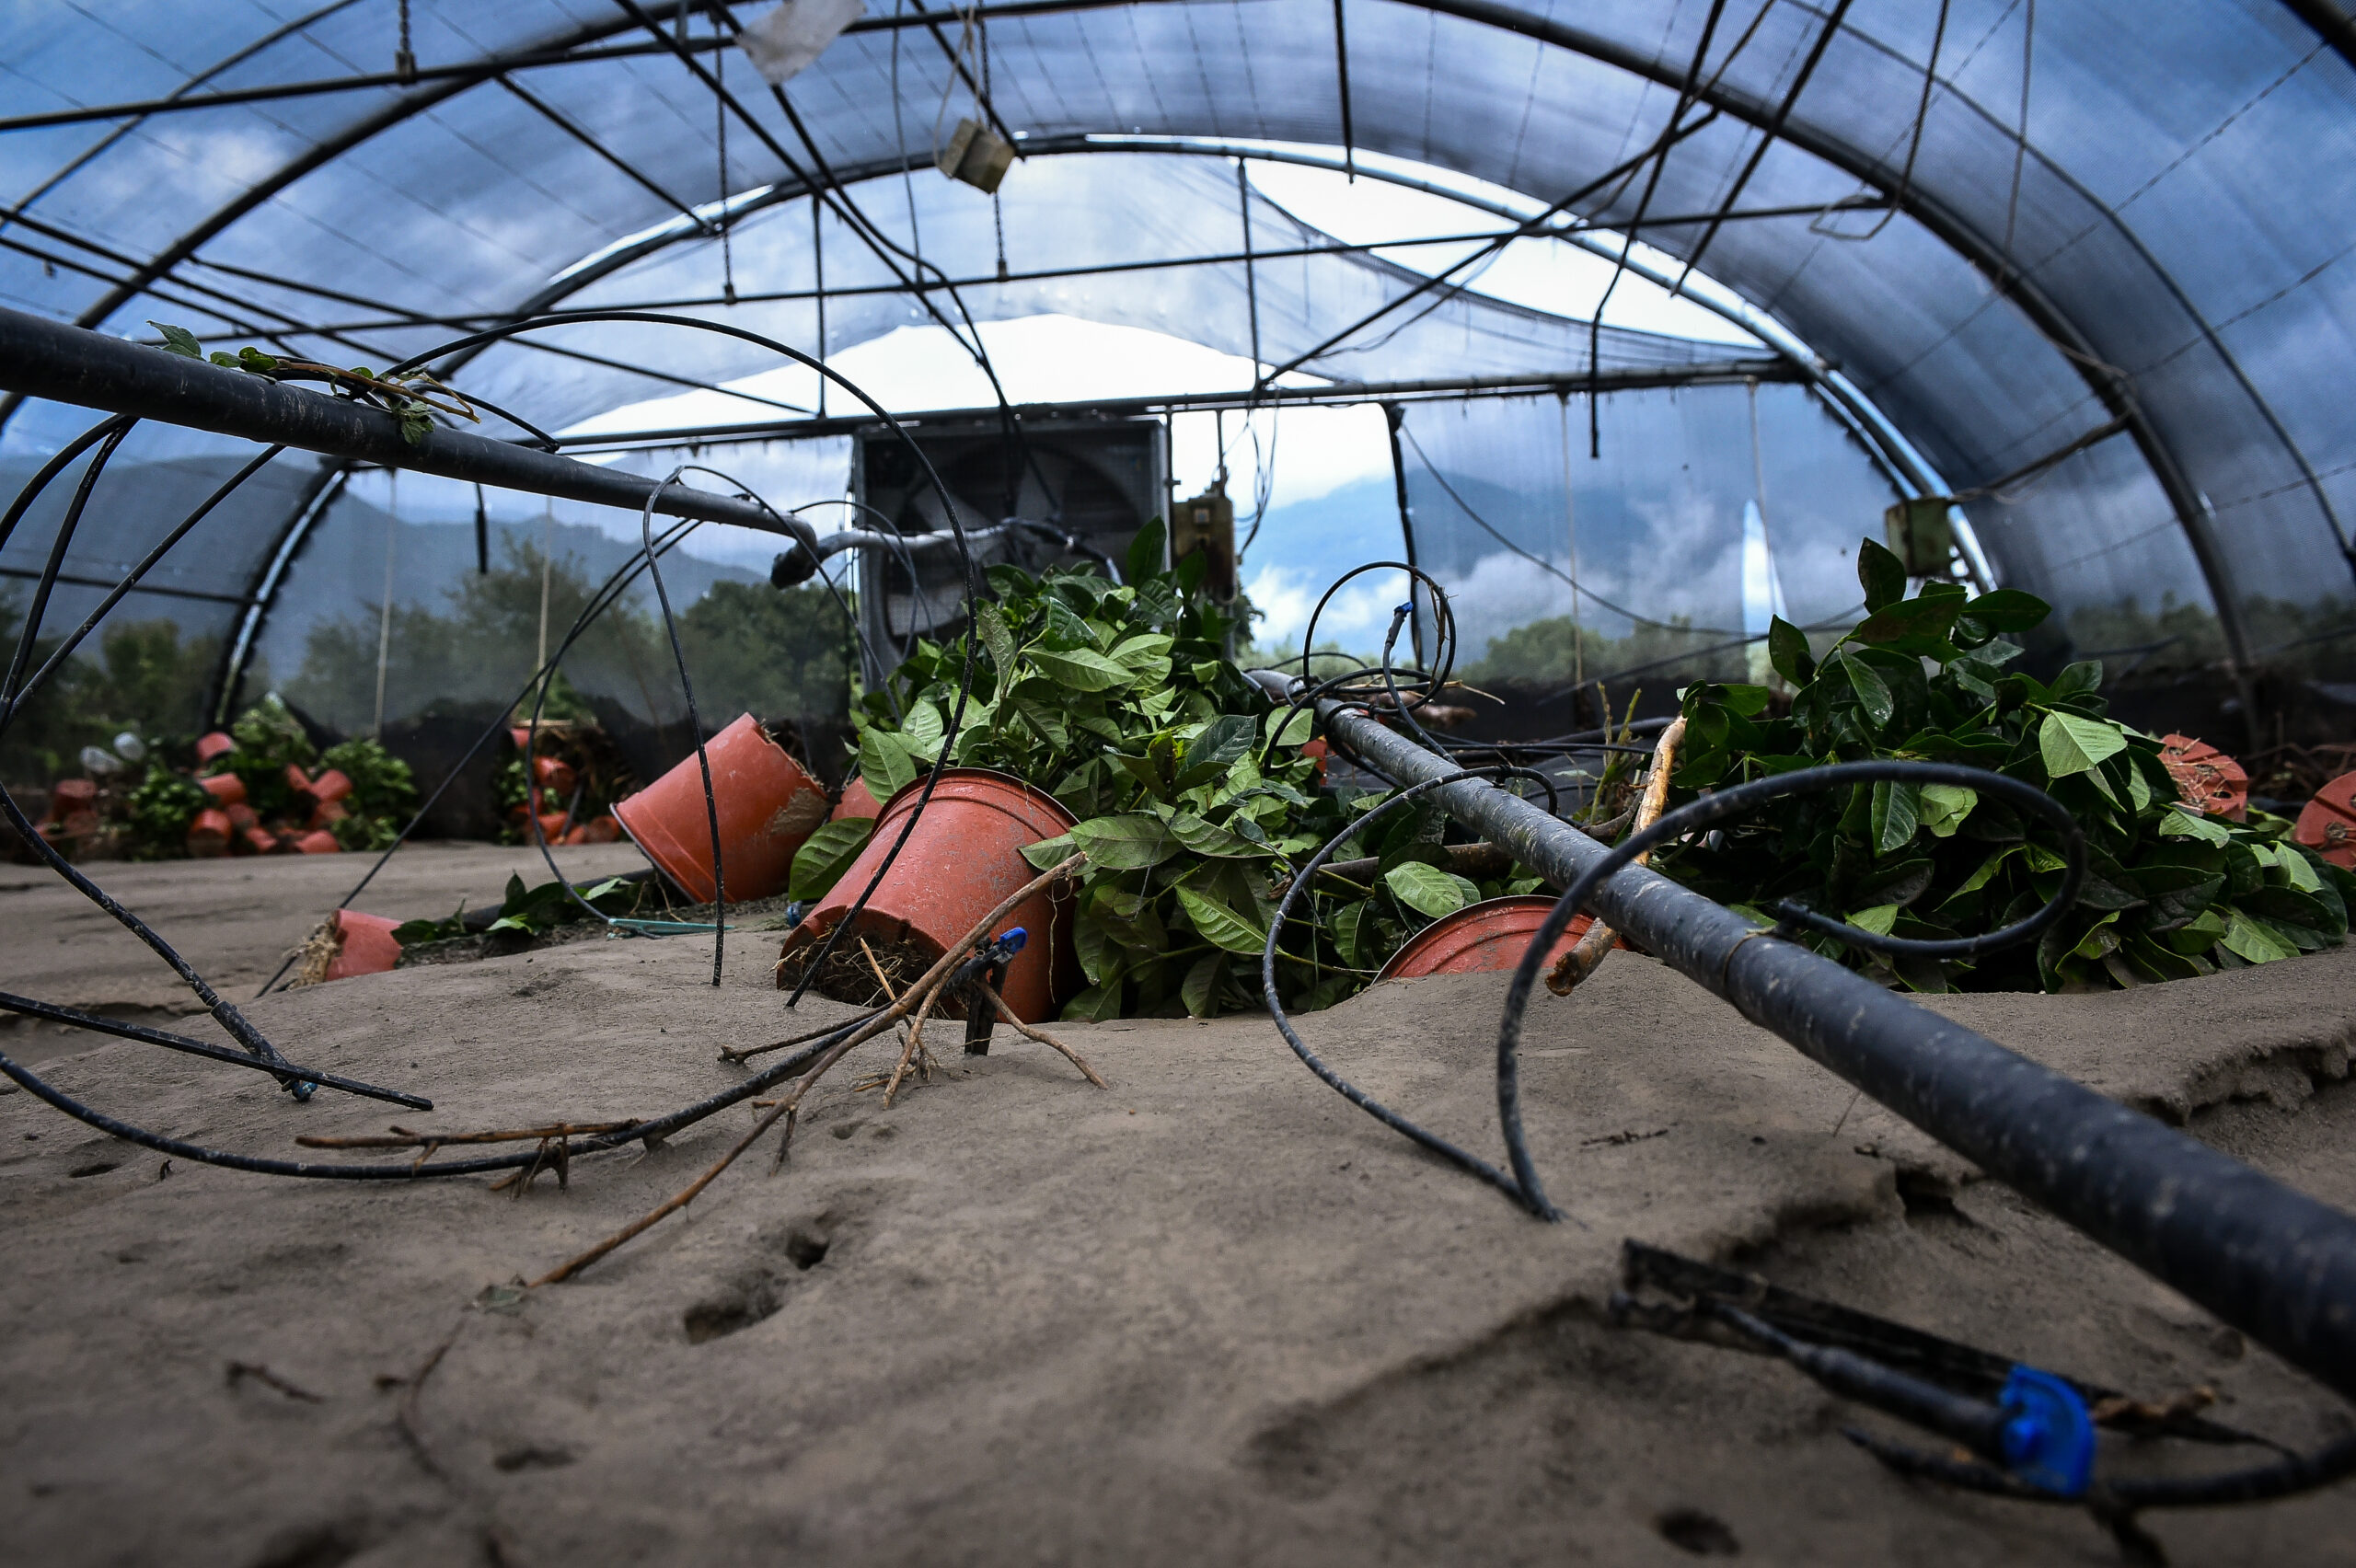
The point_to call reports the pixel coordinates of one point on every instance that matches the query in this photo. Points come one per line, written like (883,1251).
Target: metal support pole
(70,364)
(2272,1262)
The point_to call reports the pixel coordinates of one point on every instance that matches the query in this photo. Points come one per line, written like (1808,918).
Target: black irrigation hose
(1528,1196)
(181,1042)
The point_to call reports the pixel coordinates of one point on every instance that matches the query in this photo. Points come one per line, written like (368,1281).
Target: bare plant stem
(401,1137)
(1584,959)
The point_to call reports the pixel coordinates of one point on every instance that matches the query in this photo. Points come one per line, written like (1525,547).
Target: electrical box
(975,155)
(1208,524)
(1920,535)
(1098,479)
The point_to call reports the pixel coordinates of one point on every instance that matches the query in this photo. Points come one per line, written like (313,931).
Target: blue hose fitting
(2049,1439)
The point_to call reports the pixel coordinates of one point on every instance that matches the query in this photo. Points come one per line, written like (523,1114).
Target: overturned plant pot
(1481,938)
(965,856)
(364,944)
(767,805)
(2327,824)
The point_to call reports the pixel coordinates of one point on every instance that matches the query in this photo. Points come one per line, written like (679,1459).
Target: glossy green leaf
(1218,924)
(2254,941)
(1129,842)
(885,763)
(2071,744)
(1881,574)
(1896,815)
(179,341)
(1146,551)
(1050,851)
(1944,806)
(1787,651)
(1198,992)
(827,854)
(2008,609)
(1426,889)
(1081,669)
(1873,692)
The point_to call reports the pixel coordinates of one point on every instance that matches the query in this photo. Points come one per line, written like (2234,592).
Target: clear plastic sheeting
(1082,218)
(1646,573)
(2108,211)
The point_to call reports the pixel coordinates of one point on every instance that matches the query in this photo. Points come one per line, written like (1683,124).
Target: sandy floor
(1212,1314)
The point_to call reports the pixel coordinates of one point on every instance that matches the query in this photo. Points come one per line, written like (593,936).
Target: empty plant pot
(364,944)
(318,843)
(260,841)
(2206,778)
(208,835)
(1482,939)
(553,775)
(964,857)
(217,745)
(597,830)
(858,801)
(226,789)
(331,785)
(767,806)
(2327,825)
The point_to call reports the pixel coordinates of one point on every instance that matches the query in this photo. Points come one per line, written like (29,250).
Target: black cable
(1730,804)
(695,728)
(181,1042)
(1526,1194)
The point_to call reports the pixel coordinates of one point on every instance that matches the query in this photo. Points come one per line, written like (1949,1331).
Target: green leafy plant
(825,855)
(533,911)
(269,740)
(2170,893)
(383,794)
(162,807)
(1119,701)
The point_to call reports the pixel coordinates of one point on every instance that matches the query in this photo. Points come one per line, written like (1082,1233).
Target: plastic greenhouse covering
(1965,237)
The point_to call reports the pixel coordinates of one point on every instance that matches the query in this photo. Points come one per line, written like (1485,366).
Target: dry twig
(1041,1035)
(788,1107)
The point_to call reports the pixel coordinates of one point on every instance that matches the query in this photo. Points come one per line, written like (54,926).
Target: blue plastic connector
(1013,939)
(2050,1441)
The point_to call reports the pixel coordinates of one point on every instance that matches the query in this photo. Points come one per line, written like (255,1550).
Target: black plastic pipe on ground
(41,358)
(2272,1262)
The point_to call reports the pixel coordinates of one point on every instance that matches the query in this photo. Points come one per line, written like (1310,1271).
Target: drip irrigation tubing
(2263,1258)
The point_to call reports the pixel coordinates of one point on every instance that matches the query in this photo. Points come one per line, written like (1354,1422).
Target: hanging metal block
(1208,524)
(975,155)
(1920,535)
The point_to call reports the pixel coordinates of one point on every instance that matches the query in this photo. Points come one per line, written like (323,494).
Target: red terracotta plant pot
(69,796)
(326,811)
(261,841)
(858,801)
(297,780)
(208,835)
(1319,749)
(552,828)
(597,830)
(364,944)
(332,785)
(1482,939)
(226,789)
(965,857)
(317,843)
(243,817)
(2327,825)
(219,743)
(2206,778)
(767,806)
(554,775)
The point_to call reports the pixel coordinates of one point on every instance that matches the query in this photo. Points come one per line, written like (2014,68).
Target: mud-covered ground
(1211,1314)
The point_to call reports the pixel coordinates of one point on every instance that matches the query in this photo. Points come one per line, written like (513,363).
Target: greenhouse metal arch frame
(2053,318)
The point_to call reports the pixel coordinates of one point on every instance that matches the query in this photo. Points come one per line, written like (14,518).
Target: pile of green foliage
(2170,893)
(529,911)
(1119,702)
(162,808)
